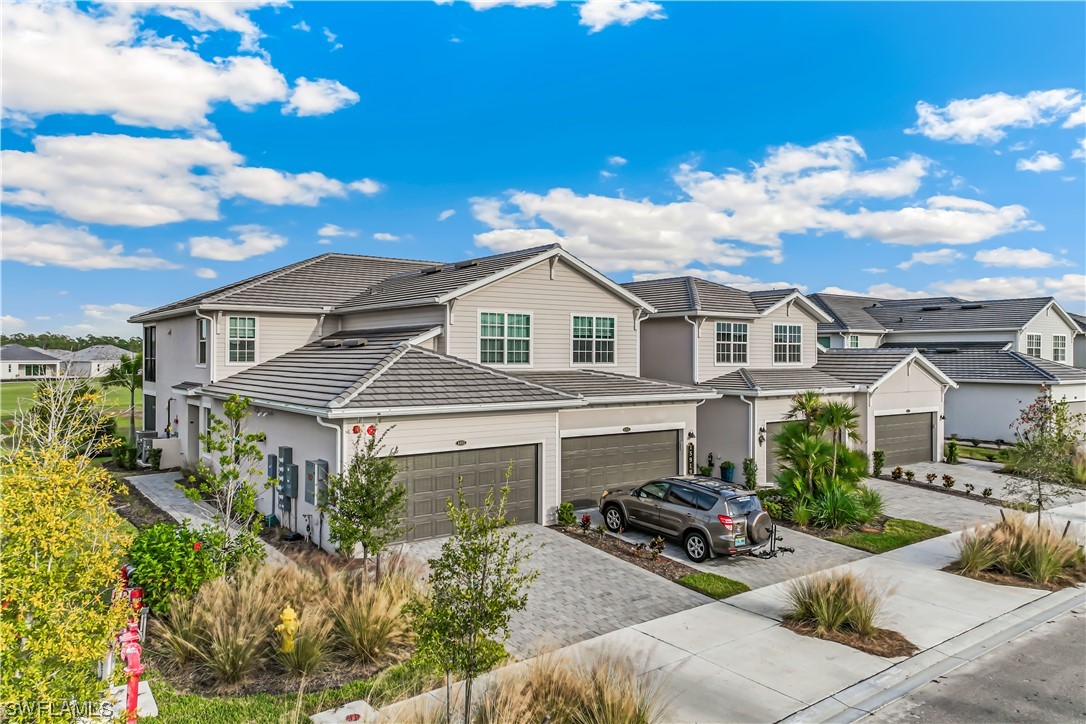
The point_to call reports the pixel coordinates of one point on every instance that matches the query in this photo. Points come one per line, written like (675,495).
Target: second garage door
(431,480)
(593,464)
(904,438)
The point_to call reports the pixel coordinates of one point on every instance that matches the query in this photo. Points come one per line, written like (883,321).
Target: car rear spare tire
(761,527)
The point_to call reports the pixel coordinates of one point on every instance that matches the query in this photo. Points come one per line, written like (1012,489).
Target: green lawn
(979,453)
(895,534)
(712,585)
(14,394)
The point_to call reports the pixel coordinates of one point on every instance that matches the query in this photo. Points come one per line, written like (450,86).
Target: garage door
(772,429)
(593,464)
(904,438)
(431,480)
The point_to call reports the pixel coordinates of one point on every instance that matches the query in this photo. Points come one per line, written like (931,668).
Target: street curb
(875,692)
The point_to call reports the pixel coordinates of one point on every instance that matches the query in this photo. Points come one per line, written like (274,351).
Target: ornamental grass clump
(1018,548)
(834,603)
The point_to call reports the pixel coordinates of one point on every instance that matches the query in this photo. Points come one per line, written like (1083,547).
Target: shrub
(869,504)
(565,514)
(750,472)
(987,492)
(1015,547)
(948,481)
(897,472)
(802,513)
(969,487)
(878,460)
(155,458)
(123,456)
(774,508)
(930,477)
(990,457)
(706,470)
(586,523)
(170,559)
(656,547)
(836,508)
(830,602)
(368,617)
(910,475)
(952,452)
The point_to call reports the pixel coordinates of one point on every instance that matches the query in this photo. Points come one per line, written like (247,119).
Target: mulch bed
(937,487)
(137,508)
(662,566)
(884,642)
(1005,579)
(876,526)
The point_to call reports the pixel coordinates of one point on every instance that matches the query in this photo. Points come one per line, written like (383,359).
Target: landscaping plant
(750,473)
(656,547)
(170,559)
(969,487)
(878,460)
(952,452)
(910,475)
(930,477)
(66,416)
(897,472)
(987,492)
(565,514)
(586,522)
(128,375)
(948,481)
(1015,547)
(834,602)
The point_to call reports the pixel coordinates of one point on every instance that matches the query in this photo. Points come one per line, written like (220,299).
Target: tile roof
(598,384)
(848,312)
(99,352)
(424,285)
(17,352)
(858,313)
(383,372)
(694,295)
(934,346)
(861,366)
(1002,366)
(764,381)
(1079,319)
(766,298)
(318,283)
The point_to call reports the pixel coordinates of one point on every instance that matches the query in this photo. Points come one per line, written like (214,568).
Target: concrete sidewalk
(769,673)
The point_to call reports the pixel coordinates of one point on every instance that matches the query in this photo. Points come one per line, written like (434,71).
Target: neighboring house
(520,368)
(759,349)
(22,363)
(1080,341)
(94,361)
(1036,326)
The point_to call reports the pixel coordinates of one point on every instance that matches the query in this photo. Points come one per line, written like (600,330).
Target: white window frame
(614,340)
(1059,348)
(1030,345)
(854,341)
(787,343)
(732,344)
(205,325)
(505,338)
(255,340)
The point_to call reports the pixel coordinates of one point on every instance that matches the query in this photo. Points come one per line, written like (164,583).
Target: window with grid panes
(242,338)
(505,338)
(731,343)
(787,343)
(593,340)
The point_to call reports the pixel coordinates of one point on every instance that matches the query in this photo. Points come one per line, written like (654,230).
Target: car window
(706,501)
(743,504)
(656,490)
(682,495)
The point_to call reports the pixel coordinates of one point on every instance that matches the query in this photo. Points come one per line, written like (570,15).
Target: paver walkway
(931,506)
(980,473)
(161,489)
(581,593)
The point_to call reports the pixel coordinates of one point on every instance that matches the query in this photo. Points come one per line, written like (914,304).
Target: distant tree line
(49,340)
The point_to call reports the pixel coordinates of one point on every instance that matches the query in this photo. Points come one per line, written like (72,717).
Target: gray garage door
(431,480)
(593,464)
(772,429)
(904,438)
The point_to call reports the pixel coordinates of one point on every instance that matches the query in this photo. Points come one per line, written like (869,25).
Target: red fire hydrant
(130,654)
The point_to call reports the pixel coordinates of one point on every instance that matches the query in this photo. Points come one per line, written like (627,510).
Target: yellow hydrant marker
(287,629)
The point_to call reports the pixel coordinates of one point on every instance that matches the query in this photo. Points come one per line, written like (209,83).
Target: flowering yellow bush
(62,546)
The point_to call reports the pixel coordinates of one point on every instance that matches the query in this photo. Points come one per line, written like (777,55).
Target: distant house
(22,363)
(94,361)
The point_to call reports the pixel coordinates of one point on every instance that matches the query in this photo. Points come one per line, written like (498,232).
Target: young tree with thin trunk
(127,375)
(66,415)
(838,419)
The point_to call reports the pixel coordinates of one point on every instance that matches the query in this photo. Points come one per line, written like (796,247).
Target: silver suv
(711,517)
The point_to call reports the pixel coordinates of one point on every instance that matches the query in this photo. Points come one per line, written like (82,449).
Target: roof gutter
(633,399)
(347,413)
(788,393)
(153,316)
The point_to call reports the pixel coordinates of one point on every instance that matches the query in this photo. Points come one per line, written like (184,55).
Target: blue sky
(156,151)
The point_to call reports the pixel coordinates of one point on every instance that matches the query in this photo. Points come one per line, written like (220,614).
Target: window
(149,348)
(743,505)
(149,411)
(1033,345)
(1059,348)
(593,340)
(207,429)
(682,495)
(201,341)
(787,344)
(824,341)
(242,339)
(505,338)
(731,343)
(853,341)
(656,490)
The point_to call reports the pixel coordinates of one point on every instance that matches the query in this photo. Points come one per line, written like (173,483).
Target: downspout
(637,337)
(750,425)
(338,429)
(693,347)
(210,344)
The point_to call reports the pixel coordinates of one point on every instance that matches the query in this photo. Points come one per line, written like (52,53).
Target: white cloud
(333,230)
(1021,258)
(75,248)
(9,323)
(319,97)
(1078,118)
(598,14)
(205,273)
(1041,161)
(331,38)
(606,174)
(795,190)
(105,319)
(446,214)
(384,236)
(616,161)
(874,270)
(939,256)
(60,59)
(986,118)
(883,291)
(253,240)
(303,26)
(481,5)
(124,180)
(1080,152)
(1071,287)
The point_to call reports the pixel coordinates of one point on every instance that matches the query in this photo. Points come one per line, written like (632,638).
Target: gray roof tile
(17,352)
(1080,320)
(987,365)
(777,380)
(931,313)
(861,366)
(766,298)
(694,295)
(597,384)
(99,352)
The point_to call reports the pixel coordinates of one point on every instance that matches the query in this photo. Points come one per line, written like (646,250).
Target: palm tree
(806,406)
(838,419)
(806,458)
(127,375)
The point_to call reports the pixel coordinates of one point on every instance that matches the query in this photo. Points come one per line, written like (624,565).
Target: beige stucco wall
(723,430)
(667,349)
(552,304)
(760,341)
(986,411)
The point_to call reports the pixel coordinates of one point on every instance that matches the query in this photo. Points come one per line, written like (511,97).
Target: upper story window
(854,341)
(242,339)
(1059,348)
(593,340)
(787,344)
(1033,345)
(731,343)
(149,349)
(505,338)
(201,341)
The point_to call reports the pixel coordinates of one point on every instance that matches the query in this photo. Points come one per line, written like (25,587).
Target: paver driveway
(980,473)
(581,593)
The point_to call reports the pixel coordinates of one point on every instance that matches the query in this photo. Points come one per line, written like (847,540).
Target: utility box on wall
(316,480)
(288,481)
(273,467)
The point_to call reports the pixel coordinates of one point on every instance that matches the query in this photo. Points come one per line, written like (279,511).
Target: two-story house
(521,368)
(759,349)
(998,351)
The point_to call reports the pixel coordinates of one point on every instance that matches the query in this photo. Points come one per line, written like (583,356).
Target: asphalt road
(1038,677)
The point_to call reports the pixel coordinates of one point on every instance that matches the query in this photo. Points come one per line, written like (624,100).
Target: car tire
(696,546)
(614,519)
(761,527)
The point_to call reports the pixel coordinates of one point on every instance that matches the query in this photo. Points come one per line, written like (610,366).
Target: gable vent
(354,342)
(331,343)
